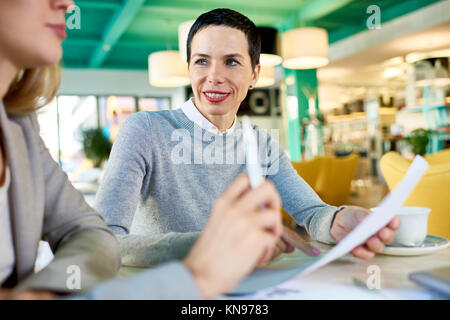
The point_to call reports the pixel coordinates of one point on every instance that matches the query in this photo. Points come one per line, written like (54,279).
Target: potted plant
(418,140)
(96,146)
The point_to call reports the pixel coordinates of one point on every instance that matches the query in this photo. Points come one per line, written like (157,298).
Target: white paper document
(386,210)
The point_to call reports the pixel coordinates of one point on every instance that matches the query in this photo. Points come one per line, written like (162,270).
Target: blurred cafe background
(356,88)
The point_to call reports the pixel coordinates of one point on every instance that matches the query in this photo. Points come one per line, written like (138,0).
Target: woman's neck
(222,122)
(8,71)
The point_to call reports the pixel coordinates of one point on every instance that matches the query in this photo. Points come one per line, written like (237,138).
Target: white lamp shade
(183,32)
(167,69)
(392,72)
(269,60)
(305,48)
(266,77)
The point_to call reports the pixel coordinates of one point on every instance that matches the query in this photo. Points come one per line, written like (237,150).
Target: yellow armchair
(309,170)
(432,191)
(330,177)
(440,157)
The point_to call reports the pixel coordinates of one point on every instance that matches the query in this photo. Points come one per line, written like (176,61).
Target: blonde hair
(32,89)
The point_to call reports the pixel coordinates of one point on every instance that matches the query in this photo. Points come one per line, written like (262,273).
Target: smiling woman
(37,201)
(221,73)
(223,49)
(158,206)
(153,202)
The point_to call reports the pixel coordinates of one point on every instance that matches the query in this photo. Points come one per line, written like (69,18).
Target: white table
(346,278)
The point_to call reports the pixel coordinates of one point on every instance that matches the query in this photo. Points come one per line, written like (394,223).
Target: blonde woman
(38,202)
(36,199)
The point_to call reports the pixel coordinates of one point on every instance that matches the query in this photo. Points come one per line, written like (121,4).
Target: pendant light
(305,48)
(266,77)
(183,32)
(270,47)
(167,69)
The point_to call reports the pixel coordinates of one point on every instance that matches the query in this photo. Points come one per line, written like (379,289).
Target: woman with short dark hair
(166,168)
(37,201)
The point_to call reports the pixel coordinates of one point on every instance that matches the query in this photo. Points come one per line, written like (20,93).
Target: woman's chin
(49,56)
(217,109)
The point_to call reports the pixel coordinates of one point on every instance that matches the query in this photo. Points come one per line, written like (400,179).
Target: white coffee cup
(413,229)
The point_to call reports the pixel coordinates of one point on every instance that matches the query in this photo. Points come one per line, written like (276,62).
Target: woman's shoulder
(154,117)
(269,140)
(26,122)
(265,134)
(147,123)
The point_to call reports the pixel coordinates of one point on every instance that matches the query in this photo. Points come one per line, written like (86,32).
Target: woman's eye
(232,62)
(200,62)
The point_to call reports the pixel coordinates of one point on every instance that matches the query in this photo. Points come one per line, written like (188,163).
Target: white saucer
(430,245)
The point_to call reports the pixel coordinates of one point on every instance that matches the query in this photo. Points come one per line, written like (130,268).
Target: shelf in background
(424,108)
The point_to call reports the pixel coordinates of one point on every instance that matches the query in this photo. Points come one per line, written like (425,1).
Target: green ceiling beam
(97,5)
(387,14)
(312,11)
(116,27)
(141,45)
(82,42)
(266,6)
(192,12)
(404,7)
(151,43)
(317,9)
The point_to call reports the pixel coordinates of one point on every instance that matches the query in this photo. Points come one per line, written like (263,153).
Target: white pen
(254,169)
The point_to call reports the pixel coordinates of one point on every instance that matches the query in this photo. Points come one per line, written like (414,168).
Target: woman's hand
(287,244)
(8,294)
(237,236)
(347,219)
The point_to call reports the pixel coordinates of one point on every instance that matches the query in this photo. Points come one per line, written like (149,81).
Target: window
(66,117)
(153,104)
(48,123)
(76,113)
(113,111)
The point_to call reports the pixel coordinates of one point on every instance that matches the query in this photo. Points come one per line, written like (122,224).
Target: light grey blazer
(45,205)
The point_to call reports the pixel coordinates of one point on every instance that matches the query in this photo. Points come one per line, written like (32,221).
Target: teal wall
(302,79)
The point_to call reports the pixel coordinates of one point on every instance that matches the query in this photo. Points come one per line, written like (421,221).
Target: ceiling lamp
(392,72)
(266,77)
(305,48)
(167,69)
(183,32)
(270,47)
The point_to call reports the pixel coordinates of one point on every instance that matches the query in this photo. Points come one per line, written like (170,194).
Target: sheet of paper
(387,209)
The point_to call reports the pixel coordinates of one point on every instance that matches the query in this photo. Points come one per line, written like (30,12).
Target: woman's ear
(255,76)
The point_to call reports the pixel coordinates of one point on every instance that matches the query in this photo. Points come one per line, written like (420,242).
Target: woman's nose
(215,74)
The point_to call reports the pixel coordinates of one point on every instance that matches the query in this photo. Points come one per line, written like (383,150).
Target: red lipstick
(215,96)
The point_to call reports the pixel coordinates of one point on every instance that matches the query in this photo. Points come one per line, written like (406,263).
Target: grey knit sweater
(164,174)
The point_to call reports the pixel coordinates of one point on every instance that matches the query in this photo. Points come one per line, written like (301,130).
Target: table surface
(346,278)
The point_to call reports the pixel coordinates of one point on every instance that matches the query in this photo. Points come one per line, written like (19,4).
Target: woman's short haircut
(232,19)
